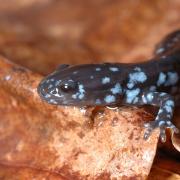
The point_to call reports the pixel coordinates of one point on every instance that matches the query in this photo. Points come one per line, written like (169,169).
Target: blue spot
(170,103)
(163,94)
(117,89)
(91,77)
(137,69)
(135,100)
(50,86)
(109,99)
(74,96)
(168,109)
(160,50)
(57,83)
(161,79)
(152,88)
(172,78)
(81,96)
(131,95)
(105,80)
(130,85)
(53,101)
(136,77)
(144,99)
(149,97)
(80,93)
(114,69)
(169,106)
(47,96)
(161,123)
(98,69)
(98,101)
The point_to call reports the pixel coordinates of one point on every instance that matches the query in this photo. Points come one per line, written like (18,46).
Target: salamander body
(155,82)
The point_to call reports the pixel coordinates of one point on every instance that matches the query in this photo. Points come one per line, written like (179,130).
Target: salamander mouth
(45,95)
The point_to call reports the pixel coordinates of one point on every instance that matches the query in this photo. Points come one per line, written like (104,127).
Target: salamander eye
(68,86)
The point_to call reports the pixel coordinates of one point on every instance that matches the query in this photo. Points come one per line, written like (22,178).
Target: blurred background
(40,34)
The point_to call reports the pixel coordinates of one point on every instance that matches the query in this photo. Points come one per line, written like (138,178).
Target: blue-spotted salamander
(155,82)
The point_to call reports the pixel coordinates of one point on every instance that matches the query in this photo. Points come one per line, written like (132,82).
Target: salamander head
(82,85)
(60,88)
(70,85)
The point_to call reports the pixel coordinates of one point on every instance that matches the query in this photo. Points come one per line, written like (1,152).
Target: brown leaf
(176,141)
(165,168)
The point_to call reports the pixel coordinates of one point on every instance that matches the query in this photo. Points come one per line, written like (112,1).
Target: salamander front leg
(164,116)
(163,119)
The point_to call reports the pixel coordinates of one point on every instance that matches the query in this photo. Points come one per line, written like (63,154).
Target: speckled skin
(155,82)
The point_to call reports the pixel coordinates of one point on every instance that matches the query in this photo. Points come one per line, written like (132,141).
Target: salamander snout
(56,91)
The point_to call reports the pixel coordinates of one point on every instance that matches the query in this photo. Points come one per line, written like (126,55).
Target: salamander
(154,82)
